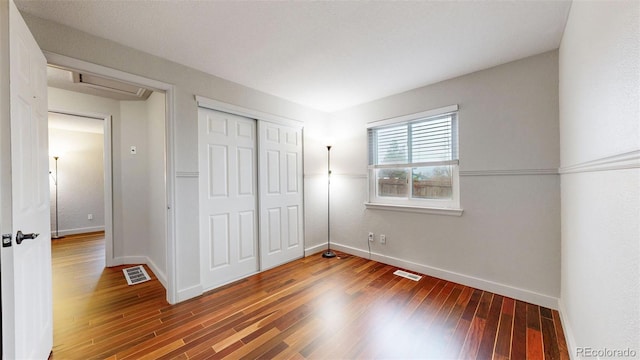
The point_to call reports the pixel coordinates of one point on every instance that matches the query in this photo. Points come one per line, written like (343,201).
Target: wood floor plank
(505,329)
(491,329)
(519,336)
(562,344)
(346,307)
(549,340)
(534,344)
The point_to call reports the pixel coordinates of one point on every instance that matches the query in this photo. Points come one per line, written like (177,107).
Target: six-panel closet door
(250,186)
(228,197)
(281,196)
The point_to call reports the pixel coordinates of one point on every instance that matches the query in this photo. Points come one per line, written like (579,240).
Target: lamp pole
(55,182)
(328,253)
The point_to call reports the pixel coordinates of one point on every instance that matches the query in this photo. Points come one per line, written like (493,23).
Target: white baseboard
(314,249)
(189,293)
(159,274)
(135,260)
(132,260)
(66,232)
(486,285)
(568,331)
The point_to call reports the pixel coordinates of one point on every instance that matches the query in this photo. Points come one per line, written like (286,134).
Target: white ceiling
(325,55)
(75,123)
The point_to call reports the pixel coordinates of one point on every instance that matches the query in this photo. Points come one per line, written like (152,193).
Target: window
(413,160)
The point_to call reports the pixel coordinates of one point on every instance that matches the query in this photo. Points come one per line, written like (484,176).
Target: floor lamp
(55,184)
(328,253)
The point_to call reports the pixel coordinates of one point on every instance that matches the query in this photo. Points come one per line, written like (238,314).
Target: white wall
(134,178)
(187,83)
(508,238)
(600,153)
(143,178)
(157,209)
(80,181)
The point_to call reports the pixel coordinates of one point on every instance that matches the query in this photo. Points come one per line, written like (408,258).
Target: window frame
(410,204)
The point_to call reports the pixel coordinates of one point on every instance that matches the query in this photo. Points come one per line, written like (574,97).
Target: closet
(250,192)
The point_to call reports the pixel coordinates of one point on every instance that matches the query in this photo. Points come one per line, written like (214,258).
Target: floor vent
(407,275)
(136,275)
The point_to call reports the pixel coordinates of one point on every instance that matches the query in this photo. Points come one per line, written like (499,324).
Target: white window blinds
(429,141)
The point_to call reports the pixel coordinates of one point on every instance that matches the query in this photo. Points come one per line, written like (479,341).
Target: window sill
(414,209)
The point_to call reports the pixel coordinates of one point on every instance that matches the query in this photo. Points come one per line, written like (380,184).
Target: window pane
(433,182)
(392,182)
(392,145)
(431,140)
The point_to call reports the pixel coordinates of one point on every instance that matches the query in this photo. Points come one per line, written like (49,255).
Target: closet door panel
(280,157)
(228,201)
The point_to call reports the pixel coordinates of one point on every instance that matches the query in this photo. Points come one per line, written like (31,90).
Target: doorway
(78,163)
(136,163)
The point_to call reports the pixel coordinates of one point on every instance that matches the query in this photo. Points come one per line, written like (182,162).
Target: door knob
(20,236)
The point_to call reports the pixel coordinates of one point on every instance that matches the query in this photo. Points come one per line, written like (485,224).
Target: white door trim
(108,176)
(242,111)
(65,61)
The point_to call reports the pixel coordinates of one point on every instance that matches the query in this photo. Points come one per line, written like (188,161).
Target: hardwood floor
(340,308)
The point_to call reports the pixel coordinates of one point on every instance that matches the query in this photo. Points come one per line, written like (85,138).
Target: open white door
(281,210)
(27,321)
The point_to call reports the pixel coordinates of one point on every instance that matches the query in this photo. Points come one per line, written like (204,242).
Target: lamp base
(328,254)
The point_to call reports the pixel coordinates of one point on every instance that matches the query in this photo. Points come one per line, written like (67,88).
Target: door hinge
(6,240)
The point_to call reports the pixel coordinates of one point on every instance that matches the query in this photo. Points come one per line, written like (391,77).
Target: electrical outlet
(370,237)
(383,239)
(90,217)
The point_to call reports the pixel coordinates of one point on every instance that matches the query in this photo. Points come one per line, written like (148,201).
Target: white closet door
(228,200)
(281,232)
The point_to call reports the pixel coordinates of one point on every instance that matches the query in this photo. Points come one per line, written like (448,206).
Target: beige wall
(508,238)
(600,148)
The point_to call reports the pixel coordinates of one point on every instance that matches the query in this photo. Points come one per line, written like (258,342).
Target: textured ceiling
(325,55)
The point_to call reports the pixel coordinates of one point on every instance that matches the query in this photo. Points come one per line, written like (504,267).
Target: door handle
(20,236)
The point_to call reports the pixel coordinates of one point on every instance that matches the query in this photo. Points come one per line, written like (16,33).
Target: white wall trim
(568,331)
(69,62)
(414,209)
(78,231)
(130,260)
(346,176)
(243,111)
(419,115)
(162,277)
(189,293)
(514,172)
(486,285)
(623,161)
(187,174)
(314,249)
